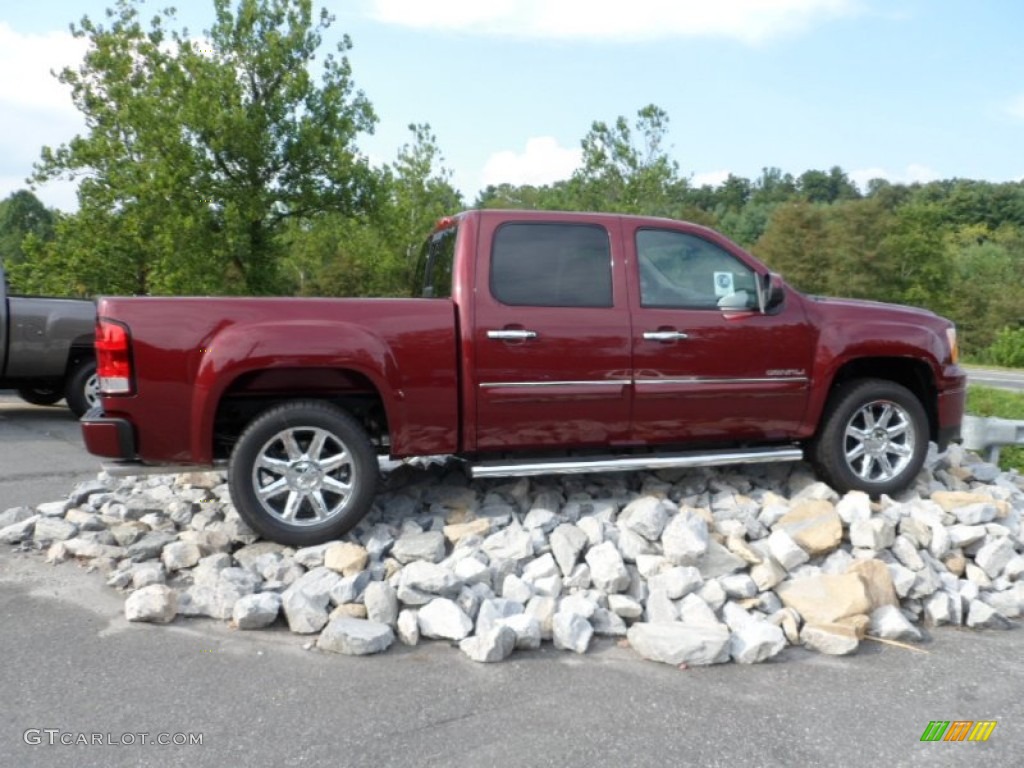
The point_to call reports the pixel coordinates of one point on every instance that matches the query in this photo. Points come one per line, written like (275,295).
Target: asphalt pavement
(73,670)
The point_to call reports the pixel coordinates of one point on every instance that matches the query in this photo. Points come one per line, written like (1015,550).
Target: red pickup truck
(538,342)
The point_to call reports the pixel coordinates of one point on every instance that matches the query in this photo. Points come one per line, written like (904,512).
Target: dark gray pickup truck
(46,349)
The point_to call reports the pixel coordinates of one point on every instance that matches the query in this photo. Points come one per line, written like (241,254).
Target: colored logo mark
(958,730)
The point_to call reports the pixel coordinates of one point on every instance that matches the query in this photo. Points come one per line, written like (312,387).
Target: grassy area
(989,401)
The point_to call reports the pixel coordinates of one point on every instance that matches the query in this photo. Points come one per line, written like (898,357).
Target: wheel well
(915,375)
(78,354)
(257,391)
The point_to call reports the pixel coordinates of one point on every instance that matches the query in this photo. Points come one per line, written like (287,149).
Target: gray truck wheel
(82,391)
(874,438)
(303,473)
(41,395)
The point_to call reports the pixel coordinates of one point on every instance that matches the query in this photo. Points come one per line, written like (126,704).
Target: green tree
(796,243)
(198,154)
(821,187)
(22,214)
(626,172)
(337,255)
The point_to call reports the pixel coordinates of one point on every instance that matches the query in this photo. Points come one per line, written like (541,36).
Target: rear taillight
(113,357)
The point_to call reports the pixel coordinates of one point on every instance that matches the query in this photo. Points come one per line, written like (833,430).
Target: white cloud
(36,108)
(913,173)
(711,178)
(750,21)
(1015,107)
(25,65)
(60,194)
(542,162)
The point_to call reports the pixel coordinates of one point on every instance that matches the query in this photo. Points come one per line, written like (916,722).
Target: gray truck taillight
(113,357)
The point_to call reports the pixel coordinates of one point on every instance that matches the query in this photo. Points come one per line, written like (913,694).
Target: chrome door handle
(665,335)
(511,335)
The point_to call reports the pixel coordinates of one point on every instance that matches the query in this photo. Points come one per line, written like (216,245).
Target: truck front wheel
(303,473)
(874,438)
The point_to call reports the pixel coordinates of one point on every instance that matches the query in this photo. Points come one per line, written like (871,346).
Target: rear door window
(551,265)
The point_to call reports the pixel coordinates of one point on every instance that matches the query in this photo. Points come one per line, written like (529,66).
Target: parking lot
(73,666)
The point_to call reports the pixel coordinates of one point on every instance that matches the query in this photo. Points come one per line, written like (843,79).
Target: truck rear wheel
(874,438)
(40,395)
(82,391)
(303,473)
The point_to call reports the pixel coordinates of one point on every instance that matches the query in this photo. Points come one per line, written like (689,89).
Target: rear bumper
(111,438)
(114,438)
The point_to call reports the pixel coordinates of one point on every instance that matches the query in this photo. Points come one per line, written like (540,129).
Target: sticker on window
(723,284)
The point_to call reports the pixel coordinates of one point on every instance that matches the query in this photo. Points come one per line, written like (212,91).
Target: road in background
(991,377)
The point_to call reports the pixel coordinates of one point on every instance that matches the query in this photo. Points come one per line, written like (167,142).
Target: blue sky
(911,90)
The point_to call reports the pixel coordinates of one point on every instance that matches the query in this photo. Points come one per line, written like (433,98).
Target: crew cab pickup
(537,342)
(46,349)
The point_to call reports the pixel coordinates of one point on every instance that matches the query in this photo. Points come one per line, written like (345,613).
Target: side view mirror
(771,293)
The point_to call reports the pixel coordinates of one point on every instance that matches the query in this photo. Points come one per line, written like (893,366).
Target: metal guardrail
(989,434)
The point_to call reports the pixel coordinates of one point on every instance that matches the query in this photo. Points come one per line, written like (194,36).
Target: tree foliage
(198,153)
(22,214)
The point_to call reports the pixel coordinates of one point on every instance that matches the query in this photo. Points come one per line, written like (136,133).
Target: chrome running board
(578,466)
(131,468)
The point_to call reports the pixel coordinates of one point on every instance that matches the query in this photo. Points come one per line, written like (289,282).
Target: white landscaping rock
(381,603)
(156,603)
(831,639)
(625,606)
(256,611)
(17,532)
(889,623)
(443,619)
(496,645)
(526,628)
(994,556)
(54,529)
(685,538)
(571,632)
(306,614)
(983,616)
(676,582)
(607,570)
(180,555)
(408,627)
(680,644)
(429,546)
(756,641)
(645,516)
(567,542)
(786,552)
(355,637)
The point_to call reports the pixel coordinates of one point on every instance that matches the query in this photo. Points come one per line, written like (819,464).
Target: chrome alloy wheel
(304,476)
(92,390)
(879,441)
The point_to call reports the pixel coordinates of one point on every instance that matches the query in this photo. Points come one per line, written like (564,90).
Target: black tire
(302,478)
(41,395)
(82,389)
(874,438)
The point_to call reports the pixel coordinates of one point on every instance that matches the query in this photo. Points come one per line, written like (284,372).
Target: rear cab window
(433,276)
